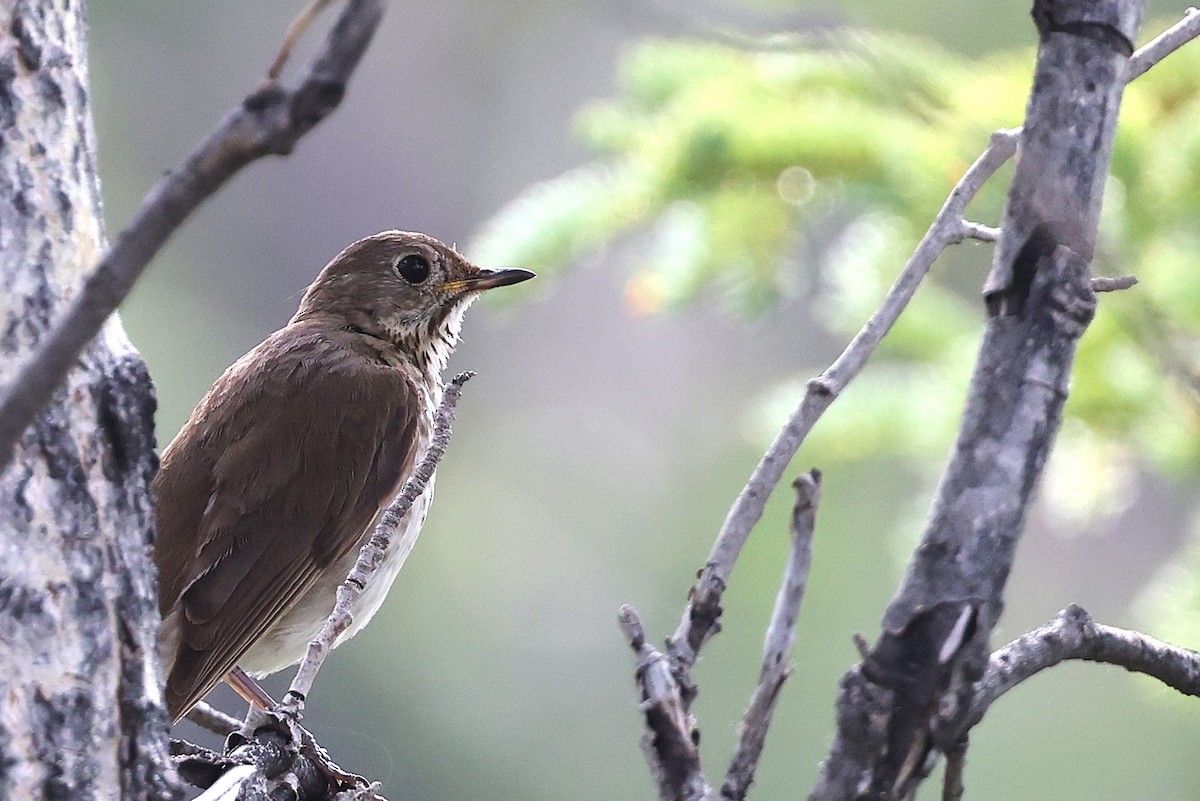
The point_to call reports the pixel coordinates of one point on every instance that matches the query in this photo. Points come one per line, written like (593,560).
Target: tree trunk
(80,707)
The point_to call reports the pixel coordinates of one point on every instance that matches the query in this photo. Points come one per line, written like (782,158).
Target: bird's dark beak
(490,279)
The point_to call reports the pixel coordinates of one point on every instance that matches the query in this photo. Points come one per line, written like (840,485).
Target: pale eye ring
(413,268)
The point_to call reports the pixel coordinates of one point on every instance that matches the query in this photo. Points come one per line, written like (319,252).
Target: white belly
(286,643)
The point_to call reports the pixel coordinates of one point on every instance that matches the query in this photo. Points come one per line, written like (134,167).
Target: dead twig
(949,227)
(952,780)
(1073,634)
(295,33)
(1120,282)
(704,610)
(212,719)
(670,740)
(1164,44)
(781,636)
(272,742)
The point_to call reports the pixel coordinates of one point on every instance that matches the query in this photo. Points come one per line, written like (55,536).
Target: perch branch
(270,121)
(781,636)
(371,555)
(1073,634)
(276,760)
(273,740)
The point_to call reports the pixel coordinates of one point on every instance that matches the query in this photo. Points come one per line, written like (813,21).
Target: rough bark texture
(80,708)
(903,704)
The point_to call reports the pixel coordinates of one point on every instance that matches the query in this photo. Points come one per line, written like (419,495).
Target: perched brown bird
(277,478)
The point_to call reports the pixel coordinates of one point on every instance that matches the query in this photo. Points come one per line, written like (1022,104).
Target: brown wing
(278,473)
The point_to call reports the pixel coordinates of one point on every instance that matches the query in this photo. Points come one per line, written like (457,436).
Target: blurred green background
(624,397)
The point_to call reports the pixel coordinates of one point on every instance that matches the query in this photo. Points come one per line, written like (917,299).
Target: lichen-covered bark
(80,715)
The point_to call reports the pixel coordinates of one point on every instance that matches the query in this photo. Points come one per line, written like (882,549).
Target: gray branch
(212,719)
(269,122)
(781,636)
(905,700)
(1115,284)
(670,739)
(1072,634)
(1165,44)
(667,688)
(671,736)
(701,618)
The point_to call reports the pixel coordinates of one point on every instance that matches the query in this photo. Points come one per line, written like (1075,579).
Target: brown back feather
(278,472)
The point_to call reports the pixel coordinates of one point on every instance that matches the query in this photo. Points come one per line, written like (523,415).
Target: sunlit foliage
(812,166)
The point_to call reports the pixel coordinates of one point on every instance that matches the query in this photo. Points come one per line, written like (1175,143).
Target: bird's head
(405,288)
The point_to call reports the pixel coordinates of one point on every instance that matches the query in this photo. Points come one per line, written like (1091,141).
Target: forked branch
(671,736)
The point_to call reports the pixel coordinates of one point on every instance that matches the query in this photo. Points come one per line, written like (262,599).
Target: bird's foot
(309,762)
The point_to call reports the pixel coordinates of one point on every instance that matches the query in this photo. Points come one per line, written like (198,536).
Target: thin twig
(703,611)
(781,635)
(371,556)
(1072,634)
(1164,44)
(294,33)
(974,230)
(1116,284)
(270,121)
(213,720)
(670,738)
(182,748)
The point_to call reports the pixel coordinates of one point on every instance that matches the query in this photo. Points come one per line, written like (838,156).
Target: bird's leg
(249,690)
(264,711)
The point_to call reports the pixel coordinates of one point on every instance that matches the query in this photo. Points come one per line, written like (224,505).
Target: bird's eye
(413,268)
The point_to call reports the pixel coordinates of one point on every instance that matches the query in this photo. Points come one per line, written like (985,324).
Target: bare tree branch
(666,685)
(281,751)
(701,618)
(1165,44)
(371,556)
(974,230)
(270,121)
(781,635)
(670,740)
(277,760)
(1073,634)
(916,683)
(295,33)
(212,719)
(1120,282)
